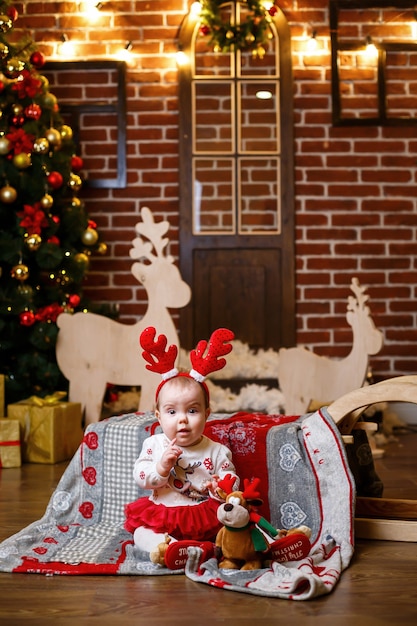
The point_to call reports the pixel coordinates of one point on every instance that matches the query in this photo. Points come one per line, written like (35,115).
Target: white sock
(147,540)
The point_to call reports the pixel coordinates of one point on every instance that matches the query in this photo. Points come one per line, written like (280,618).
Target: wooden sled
(378,518)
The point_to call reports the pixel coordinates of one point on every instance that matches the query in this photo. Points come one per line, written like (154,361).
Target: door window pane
(259,209)
(213,117)
(213,196)
(258,117)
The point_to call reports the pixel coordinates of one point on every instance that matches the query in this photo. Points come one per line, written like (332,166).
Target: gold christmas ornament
(4,145)
(22,161)
(66,132)
(44,81)
(82,259)
(20,272)
(102,248)
(14,67)
(41,145)
(53,136)
(75,202)
(259,52)
(74,182)
(49,100)
(4,50)
(47,201)
(33,242)
(8,194)
(5,23)
(89,237)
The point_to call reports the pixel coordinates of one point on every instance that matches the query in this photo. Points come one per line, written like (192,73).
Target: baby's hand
(169,458)
(212,484)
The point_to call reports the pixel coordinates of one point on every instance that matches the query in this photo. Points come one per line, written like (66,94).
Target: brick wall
(355,187)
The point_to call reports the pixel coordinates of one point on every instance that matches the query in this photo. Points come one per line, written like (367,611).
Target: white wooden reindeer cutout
(93,350)
(304,376)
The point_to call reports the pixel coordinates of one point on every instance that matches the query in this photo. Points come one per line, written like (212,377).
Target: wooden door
(236,199)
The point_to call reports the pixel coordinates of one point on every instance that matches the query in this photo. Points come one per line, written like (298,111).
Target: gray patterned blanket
(305,479)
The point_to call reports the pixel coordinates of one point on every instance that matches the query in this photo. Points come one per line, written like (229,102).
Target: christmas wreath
(225,35)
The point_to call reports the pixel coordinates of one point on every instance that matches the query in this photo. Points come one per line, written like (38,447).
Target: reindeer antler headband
(162,360)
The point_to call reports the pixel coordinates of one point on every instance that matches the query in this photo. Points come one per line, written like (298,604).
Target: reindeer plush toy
(242,543)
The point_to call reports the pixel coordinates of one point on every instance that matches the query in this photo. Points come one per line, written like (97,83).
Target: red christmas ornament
(92,224)
(13,13)
(55,179)
(37,59)
(74,300)
(18,120)
(2,86)
(27,318)
(55,219)
(49,313)
(205,30)
(273,11)
(54,240)
(76,163)
(33,111)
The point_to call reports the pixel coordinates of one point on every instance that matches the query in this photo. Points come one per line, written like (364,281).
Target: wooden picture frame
(386,49)
(81,96)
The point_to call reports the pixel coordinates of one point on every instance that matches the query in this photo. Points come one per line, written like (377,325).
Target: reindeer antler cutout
(217,347)
(159,359)
(359,300)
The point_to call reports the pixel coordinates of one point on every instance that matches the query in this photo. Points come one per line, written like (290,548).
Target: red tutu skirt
(198,521)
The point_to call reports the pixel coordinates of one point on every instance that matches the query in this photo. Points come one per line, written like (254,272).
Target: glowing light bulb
(371,50)
(195,9)
(312,43)
(125,54)
(181,58)
(66,48)
(92,10)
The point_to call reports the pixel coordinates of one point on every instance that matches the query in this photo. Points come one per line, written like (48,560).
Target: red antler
(159,359)
(217,346)
(250,489)
(227,483)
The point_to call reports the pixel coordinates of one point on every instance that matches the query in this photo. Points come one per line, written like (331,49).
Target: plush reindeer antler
(217,347)
(159,359)
(250,489)
(226,484)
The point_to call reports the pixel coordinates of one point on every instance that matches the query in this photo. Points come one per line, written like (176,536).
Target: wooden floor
(379,587)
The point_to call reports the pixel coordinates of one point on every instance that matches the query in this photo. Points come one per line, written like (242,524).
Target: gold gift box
(50,433)
(10,451)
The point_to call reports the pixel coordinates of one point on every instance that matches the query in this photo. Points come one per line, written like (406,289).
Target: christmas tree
(46,236)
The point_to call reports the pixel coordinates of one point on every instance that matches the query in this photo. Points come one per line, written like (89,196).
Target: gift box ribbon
(50,400)
(13,442)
